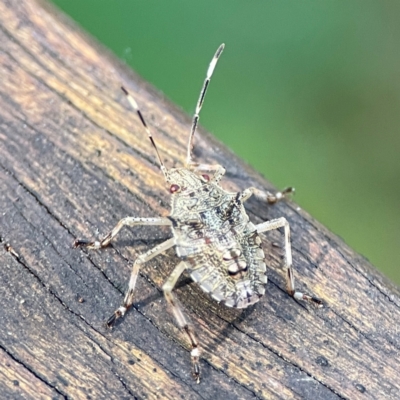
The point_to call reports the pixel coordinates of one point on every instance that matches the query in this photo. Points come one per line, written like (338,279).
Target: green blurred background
(308,92)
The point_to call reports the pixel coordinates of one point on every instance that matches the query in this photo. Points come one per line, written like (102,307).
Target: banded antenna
(200,101)
(135,106)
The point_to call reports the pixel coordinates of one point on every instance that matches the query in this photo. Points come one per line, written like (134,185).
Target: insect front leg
(268,197)
(128,299)
(180,318)
(127,221)
(290,287)
(217,170)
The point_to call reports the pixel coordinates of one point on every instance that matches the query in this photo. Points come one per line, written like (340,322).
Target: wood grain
(73,161)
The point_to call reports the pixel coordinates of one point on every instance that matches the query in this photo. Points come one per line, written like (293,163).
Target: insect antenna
(135,106)
(200,101)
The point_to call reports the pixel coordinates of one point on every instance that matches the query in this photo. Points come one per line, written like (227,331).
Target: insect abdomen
(231,270)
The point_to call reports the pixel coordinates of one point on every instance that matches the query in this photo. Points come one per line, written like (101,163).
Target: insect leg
(270,198)
(128,299)
(217,170)
(290,287)
(128,221)
(180,318)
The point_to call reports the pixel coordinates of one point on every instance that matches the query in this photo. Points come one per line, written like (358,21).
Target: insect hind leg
(180,318)
(290,286)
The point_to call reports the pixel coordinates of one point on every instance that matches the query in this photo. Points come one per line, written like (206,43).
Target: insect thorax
(220,245)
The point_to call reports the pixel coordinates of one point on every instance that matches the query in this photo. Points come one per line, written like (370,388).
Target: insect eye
(205,178)
(174,188)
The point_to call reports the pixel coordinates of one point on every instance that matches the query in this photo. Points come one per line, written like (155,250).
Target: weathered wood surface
(73,161)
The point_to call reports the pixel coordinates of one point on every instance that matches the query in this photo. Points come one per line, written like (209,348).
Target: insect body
(212,234)
(220,246)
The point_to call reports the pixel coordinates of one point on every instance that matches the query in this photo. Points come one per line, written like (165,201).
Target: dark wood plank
(73,161)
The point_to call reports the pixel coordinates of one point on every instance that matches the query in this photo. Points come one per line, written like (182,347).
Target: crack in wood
(33,372)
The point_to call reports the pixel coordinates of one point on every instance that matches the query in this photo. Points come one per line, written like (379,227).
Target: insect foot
(89,245)
(278,196)
(214,239)
(120,312)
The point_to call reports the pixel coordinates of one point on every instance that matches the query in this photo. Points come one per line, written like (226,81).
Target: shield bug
(213,237)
